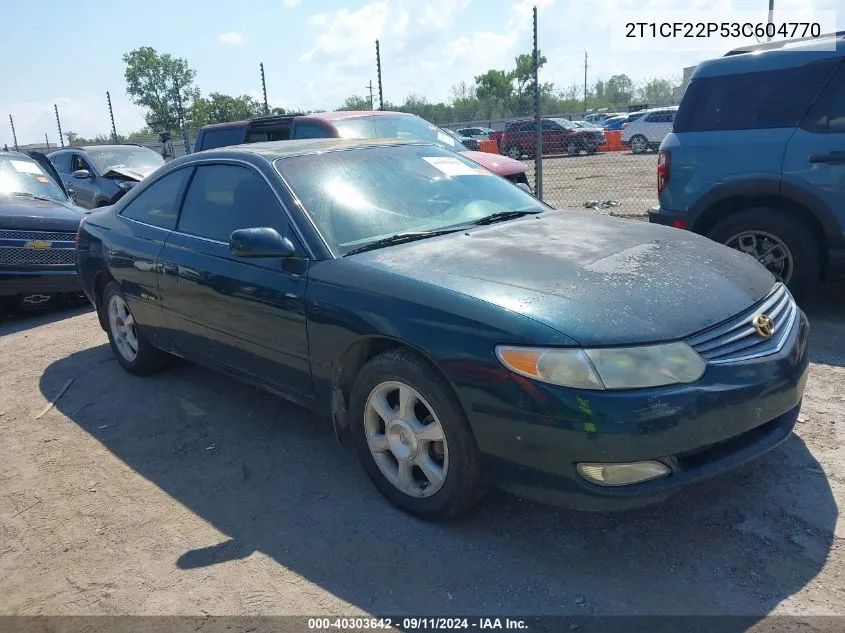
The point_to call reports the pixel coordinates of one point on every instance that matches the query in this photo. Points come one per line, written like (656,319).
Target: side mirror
(260,242)
(82,174)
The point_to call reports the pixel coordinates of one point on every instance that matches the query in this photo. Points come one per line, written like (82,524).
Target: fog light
(622,474)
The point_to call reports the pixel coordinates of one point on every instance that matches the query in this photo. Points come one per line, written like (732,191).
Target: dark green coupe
(460,331)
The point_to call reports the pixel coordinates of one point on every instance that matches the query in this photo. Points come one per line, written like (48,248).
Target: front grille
(737,340)
(14,256)
(47,236)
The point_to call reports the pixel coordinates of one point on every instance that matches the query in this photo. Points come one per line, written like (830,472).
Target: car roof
(354,114)
(85,148)
(287,118)
(773,56)
(272,150)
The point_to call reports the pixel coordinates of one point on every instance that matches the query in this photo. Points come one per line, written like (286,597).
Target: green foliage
(219,108)
(160,83)
(356,102)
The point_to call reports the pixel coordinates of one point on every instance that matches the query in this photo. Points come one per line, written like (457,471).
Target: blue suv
(757,157)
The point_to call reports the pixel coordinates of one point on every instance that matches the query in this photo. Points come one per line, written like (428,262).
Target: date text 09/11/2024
(416,624)
(721,29)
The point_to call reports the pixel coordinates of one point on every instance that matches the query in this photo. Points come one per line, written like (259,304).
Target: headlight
(606,368)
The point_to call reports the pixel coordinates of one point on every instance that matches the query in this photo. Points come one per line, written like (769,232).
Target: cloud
(290,3)
(231,37)
(87,116)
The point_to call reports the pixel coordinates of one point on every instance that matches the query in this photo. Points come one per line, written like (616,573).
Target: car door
(554,137)
(145,223)
(85,189)
(814,162)
(658,125)
(244,314)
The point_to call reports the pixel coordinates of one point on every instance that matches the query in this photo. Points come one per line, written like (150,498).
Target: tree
(71,137)
(523,77)
(657,92)
(619,90)
(160,83)
(356,102)
(219,108)
(494,88)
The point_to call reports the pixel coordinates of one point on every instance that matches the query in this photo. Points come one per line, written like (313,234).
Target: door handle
(833,157)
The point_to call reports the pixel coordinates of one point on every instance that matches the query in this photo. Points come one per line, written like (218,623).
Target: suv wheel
(639,144)
(784,244)
(514,151)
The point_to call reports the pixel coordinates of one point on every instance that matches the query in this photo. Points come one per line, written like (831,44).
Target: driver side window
(77,163)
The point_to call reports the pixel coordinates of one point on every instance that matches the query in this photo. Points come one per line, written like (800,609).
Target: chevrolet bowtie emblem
(38,245)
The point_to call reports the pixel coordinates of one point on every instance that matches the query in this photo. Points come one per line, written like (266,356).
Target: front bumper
(42,282)
(534,434)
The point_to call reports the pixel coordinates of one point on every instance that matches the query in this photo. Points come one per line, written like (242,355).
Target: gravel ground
(571,181)
(187,493)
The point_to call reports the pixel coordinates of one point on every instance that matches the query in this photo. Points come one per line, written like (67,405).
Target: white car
(478,133)
(649,130)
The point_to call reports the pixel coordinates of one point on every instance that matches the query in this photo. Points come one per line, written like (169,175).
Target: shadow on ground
(277,482)
(826,311)
(19,320)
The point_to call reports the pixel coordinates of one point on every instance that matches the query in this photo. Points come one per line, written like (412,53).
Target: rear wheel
(129,345)
(639,144)
(784,244)
(413,438)
(573,148)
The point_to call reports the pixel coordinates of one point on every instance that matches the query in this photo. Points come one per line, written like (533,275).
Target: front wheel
(573,149)
(784,244)
(514,151)
(129,345)
(413,438)
(639,144)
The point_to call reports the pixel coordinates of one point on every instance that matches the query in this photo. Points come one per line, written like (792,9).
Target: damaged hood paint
(500,165)
(598,280)
(136,174)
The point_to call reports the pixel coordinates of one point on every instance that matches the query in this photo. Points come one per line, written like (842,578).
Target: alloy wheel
(767,249)
(406,439)
(639,145)
(122,326)
(514,152)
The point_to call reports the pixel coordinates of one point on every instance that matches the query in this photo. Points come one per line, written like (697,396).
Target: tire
(147,359)
(463,481)
(573,149)
(514,151)
(639,144)
(799,240)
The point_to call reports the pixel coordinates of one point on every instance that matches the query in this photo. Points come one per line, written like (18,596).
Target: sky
(315,52)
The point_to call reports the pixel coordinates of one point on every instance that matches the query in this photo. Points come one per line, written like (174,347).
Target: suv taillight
(664,162)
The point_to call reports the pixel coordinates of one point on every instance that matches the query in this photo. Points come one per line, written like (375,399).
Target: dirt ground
(187,493)
(629,179)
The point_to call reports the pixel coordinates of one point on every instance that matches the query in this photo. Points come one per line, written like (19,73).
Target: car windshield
(359,196)
(131,157)
(22,175)
(566,124)
(408,127)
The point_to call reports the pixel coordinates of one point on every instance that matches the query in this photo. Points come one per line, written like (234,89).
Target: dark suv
(757,157)
(559,136)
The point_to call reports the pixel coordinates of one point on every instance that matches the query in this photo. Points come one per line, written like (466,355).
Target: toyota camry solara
(456,329)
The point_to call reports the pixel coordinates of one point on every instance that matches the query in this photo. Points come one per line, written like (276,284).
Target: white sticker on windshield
(450,166)
(445,138)
(25,167)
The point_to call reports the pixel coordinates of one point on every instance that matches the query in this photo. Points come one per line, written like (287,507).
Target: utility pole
(59,124)
(179,113)
(14,136)
(585,82)
(378,70)
(370,86)
(538,138)
(264,89)
(111,116)
(771,17)
(48,142)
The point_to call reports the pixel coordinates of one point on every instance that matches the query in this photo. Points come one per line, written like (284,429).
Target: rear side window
(224,198)
(62,163)
(828,113)
(751,101)
(158,204)
(310,130)
(660,117)
(263,134)
(222,138)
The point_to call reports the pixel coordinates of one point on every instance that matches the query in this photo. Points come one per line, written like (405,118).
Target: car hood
(501,165)
(598,280)
(137,174)
(38,215)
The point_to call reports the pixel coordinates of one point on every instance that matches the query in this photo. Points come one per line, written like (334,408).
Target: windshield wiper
(401,238)
(502,216)
(26,194)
